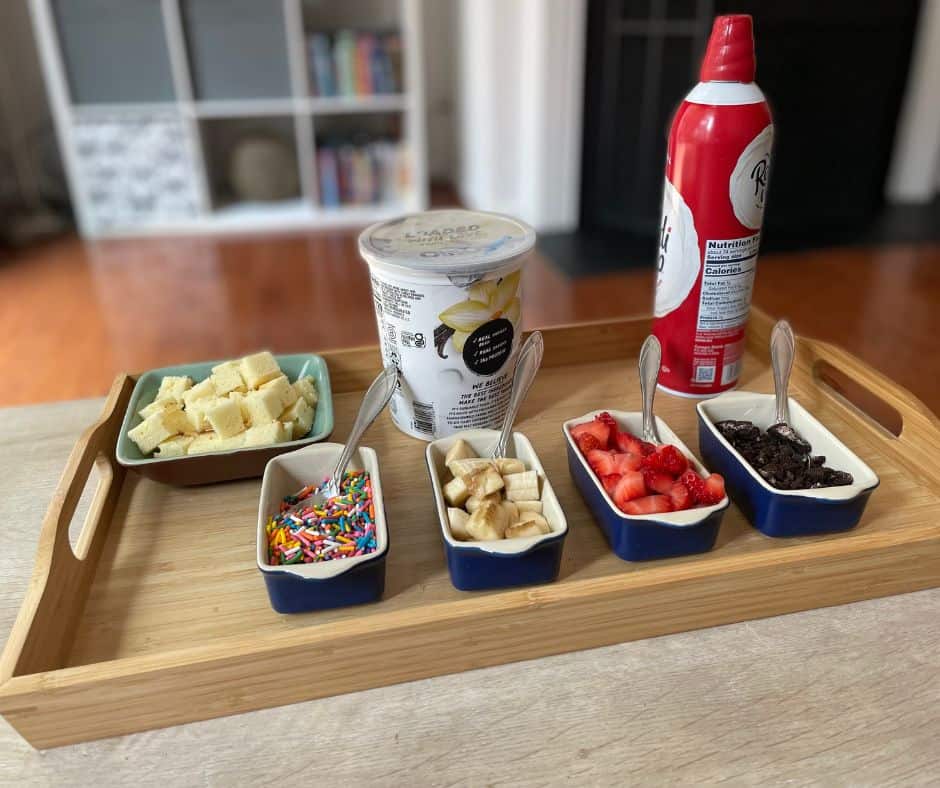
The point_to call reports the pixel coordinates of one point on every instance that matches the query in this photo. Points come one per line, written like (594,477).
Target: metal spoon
(373,403)
(782,350)
(651,357)
(527,365)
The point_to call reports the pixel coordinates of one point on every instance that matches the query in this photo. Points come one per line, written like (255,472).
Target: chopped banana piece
(522,486)
(484,482)
(456,492)
(488,522)
(508,465)
(529,506)
(469,465)
(459,451)
(457,518)
(473,502)
(531,517)
(529,528)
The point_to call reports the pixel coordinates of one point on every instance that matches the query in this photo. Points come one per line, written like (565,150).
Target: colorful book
(344,62)
(320,54)
(328,170)
(365,45)
(392,46)
(381,68)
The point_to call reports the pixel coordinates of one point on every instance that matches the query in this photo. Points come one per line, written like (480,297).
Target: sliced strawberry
(606,418)
(588,442)
(680,496)
(667,459)
(625,461)
(601,462)
(714,490)
(648,504)
(610,482)
(695,485)
(647,448)
(595,428)
(624,441)
(657,481)
(629,487)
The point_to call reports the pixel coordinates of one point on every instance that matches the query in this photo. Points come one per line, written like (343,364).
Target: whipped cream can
(447,290)
(717,170)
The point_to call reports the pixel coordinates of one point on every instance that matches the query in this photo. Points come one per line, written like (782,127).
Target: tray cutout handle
(859,396)
(42,635)
(94,494)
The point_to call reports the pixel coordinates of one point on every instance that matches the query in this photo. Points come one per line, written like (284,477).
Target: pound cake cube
(302,415)
(226,378)
(306,388)
(263,406)
(196,413)
(174,447)
(151,432)
(173,387)
(205,389)
(266,434)
(225,417)
(238,397)
(258,369)
(176,420)
(284,390)
(158,406)
(230,443)
(203,443)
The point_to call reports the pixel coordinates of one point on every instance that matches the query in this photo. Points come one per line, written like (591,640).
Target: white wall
(915,167)
(520,78)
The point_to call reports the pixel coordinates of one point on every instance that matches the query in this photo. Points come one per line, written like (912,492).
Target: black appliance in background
(834,73)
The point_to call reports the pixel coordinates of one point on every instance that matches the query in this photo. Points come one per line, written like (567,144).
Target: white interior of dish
(632,421)
(759,409)
(482,442)
(286,474)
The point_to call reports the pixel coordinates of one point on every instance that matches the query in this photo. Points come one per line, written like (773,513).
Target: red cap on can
(730,53)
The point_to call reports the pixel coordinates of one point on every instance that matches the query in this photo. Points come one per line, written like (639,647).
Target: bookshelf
(200,116)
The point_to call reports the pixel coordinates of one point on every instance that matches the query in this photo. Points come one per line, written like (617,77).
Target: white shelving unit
(157,135)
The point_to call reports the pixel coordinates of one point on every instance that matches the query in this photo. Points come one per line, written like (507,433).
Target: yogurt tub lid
(446,242)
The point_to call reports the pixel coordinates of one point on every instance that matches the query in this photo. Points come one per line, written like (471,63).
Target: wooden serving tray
(161,617)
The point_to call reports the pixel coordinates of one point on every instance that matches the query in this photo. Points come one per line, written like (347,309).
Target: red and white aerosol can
(717,167)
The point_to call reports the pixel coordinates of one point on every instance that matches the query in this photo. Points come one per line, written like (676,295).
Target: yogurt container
(448,302)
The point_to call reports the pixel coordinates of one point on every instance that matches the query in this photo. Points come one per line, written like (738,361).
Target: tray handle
(905,427)
(43,632)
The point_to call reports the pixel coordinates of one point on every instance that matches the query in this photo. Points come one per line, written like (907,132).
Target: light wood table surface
(842,696)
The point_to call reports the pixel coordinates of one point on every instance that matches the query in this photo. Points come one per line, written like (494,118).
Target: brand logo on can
(678,263)
(748,183)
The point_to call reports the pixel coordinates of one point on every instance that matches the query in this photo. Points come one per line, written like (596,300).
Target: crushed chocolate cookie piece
(781,456)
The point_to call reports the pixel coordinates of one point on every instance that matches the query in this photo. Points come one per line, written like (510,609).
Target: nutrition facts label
(727,279)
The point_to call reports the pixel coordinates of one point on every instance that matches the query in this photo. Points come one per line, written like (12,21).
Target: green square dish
(223,465)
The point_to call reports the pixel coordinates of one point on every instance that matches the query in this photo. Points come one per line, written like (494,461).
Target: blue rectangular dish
(637,537)
(299,588)
(503,563)
(783,513)
(222,465)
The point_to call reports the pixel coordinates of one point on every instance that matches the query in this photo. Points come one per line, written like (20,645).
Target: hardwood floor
(73,314)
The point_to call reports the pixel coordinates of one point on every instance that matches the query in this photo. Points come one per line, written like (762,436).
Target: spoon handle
(527,365)
(373,403)
(651,357)
(782,347)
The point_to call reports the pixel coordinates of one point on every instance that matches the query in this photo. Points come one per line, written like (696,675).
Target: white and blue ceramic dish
(298,588)
(501,563)
(643,537)
(783,512)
